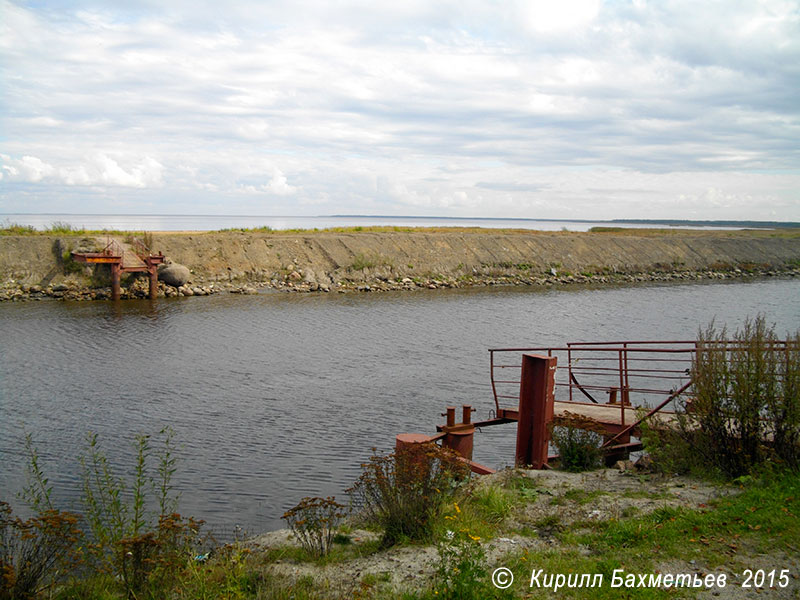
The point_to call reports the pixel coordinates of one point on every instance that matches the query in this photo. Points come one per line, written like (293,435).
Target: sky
(573,109)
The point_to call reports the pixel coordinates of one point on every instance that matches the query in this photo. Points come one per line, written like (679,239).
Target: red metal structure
(139,259)
(614,386)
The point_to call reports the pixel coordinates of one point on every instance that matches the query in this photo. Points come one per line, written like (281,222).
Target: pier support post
(459,437)
(536,404)
(115,273)
(153,282)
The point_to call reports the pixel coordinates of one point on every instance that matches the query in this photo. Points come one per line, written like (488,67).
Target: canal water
(278,396)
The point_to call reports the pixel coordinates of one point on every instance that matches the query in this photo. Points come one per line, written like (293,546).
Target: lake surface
(216,222)
(278,396)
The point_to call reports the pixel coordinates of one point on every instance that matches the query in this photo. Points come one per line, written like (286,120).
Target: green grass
(56,228)
(338,553)
(762,518)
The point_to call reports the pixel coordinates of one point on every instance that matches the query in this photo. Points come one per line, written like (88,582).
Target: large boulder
(173,274)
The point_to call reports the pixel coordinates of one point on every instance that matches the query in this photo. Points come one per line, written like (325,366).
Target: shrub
(578,442)
(314,522)
(403,492)
(35,553)
(746,406)
(745,409)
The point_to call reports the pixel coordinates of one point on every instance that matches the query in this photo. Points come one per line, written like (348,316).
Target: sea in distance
(217,222)
(278,396)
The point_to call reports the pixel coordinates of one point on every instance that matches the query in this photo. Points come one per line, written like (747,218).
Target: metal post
(115,271)
(153,282)
(450,413)
(536,404)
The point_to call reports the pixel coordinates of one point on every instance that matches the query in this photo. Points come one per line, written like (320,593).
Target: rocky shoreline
(301,280)
(205,263)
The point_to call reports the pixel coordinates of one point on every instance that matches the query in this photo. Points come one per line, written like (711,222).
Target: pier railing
(653,375)
(629,373)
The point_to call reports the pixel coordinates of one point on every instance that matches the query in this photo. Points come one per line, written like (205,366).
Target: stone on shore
(173,274)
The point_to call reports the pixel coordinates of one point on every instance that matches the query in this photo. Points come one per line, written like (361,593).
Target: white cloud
(278,185)
(545,16)
(97,170)
(461,107)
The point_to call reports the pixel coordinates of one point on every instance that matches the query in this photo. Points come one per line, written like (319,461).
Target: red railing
(112,248)
(653,375)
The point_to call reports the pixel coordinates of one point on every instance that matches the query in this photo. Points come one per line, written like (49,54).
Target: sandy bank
(374,260)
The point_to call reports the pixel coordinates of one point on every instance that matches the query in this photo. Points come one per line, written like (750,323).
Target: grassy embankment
(755,526)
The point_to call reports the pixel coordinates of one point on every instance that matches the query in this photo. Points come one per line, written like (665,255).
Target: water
(278,396)
(215,222)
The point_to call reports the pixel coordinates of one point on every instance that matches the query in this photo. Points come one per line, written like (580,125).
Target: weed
(362,261)
(578,444)
(10,228)
(493,502)
(314,522)
(403,492)
(462,570)
(64,227)
(126,540)
(583,496)
(746,406)
(36,553)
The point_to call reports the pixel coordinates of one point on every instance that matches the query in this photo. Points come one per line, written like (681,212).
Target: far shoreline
(377,259)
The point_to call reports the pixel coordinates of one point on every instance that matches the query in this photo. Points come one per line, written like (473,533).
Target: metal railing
(630,373)
(140,249)
(112,248)
(653,375)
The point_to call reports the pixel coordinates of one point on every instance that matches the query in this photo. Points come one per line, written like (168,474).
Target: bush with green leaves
(135,533)
(579,443)
(745,406)
(403,492)
(128,532)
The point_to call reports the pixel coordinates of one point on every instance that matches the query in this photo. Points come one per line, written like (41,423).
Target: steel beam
(536,404)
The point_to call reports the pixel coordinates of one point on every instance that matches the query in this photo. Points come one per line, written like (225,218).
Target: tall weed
(404,492)
(745,409)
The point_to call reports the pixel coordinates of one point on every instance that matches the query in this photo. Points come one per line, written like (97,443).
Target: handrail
(112,248)
(630,372)
(139,249)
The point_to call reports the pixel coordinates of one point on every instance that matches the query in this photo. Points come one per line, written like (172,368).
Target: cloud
(463,108)
(100,169)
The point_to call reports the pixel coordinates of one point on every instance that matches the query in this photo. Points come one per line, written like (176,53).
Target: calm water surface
(215,222)
(276,396)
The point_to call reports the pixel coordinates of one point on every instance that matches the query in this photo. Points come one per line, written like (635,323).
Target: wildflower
(474,538)
(458,510)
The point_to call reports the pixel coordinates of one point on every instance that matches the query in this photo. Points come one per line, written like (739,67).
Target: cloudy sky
(551,109)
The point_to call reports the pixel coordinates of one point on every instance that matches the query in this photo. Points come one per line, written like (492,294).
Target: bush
(745,411)
(578,442)
(36,553)
(314,522)
(404,492)
(135,532)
